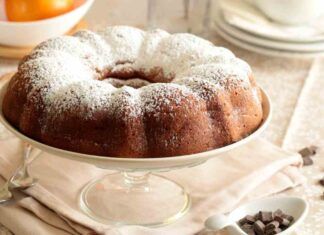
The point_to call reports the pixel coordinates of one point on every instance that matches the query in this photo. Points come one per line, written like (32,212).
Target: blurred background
(288,28)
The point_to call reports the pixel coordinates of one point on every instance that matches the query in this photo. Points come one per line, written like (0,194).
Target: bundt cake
(124,92)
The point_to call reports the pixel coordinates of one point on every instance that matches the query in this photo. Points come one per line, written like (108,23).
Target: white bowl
(24,34)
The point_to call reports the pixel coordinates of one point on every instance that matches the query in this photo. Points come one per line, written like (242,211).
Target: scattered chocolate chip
(304,152)
(308,151)
(307,161)
(272,225)
(313,149)
(259,227)
(321,181)
(265,216)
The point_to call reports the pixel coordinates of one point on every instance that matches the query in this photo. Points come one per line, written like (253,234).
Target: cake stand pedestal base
(134,199)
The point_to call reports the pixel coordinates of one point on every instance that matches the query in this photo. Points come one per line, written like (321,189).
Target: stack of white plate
(263,42)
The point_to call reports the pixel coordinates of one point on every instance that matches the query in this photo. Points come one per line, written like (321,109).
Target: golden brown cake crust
(128,93)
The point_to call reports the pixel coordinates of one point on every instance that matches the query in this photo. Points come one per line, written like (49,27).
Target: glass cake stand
(135,195)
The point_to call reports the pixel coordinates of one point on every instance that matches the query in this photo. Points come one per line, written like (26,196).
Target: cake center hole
(124,75)
(132,82)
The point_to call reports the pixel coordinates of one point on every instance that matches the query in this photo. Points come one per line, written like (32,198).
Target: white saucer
(246,17)
(266,50)
(266,42)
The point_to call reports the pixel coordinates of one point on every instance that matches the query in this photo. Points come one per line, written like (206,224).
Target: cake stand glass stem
(137,180)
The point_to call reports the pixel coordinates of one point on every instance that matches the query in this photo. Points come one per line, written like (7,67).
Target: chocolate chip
(265,222)
(256,216)
(313,149)
(277,213)
(305,152)
(308,151)
(307,161)
(285,222)
(247,219)
(242,221)
(248,228)
(288,217)
(265,216)
(251,232)
(259,227)
(273,231)
(279,219)
(250,219)
(321,181)
(272,225)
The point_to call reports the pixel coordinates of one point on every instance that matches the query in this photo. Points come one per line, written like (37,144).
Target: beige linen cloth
(255,170)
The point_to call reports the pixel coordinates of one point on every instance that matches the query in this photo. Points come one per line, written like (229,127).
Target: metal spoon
(22,178)
(5,194)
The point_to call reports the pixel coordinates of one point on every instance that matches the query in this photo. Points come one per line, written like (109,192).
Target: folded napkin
(255,170)
(243,15)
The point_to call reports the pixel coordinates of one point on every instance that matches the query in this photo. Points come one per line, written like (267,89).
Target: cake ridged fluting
(124,92)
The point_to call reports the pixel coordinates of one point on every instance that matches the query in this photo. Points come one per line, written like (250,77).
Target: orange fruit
(30,10)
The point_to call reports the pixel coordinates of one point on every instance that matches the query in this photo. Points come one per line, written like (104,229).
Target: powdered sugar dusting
(125,42)
(85,96)
(66,70)
(125,103)
(98,44)
(55,72)
(157,95)
(75,47)
(179,52)
(224,75)
(203,88)
(146,59)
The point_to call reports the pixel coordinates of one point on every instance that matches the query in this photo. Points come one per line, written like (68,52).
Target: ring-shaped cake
(124,92)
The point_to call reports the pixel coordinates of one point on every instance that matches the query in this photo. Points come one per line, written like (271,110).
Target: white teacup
(291,11)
